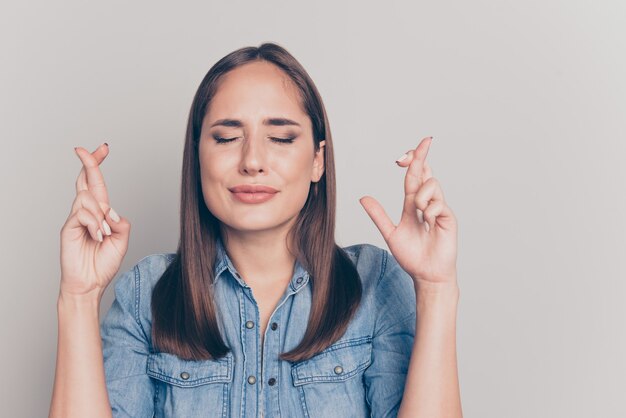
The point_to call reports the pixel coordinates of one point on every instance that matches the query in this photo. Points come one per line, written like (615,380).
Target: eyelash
(289,140)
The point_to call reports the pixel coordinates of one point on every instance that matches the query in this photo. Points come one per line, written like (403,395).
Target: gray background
(525,100)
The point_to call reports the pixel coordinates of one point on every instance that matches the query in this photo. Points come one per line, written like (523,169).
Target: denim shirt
(362,374)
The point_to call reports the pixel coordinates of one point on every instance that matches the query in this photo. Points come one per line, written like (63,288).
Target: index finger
(94,179)
(100,154)
(415,173)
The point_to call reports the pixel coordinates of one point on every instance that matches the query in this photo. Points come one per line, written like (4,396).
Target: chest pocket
(331,382)
(186,388)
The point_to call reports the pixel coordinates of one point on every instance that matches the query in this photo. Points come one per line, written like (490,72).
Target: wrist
(443,285)
(89,300)
(436,294)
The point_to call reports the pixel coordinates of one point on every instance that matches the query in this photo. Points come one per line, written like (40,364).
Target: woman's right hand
(87,264)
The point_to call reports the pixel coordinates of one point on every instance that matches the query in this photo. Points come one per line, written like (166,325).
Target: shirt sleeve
(392,340)
(125,348)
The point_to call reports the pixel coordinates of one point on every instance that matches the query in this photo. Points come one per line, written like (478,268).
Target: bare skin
(256,233)
(94,240)
(256,241)
(425,245)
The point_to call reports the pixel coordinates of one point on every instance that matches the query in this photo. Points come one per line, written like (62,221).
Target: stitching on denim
(138,300)
(242,333)
(190,383)
(137,291)
(359,341)
(382,274)
(343,377)
(383,269)
(225,378)
(305,408)
(156,393)
(224,399)
(343,344)
(125,377)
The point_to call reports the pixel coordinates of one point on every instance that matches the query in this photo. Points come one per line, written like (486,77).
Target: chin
(251,221)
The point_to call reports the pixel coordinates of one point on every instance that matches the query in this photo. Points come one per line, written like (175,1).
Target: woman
(259,312)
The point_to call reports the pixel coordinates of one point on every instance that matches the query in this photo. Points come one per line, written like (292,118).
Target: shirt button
(184,375)
(249,324)
(299,280)
(338,369)
(251,380)
(271,382)
(274,326)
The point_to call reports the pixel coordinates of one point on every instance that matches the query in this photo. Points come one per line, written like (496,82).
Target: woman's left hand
(428,255)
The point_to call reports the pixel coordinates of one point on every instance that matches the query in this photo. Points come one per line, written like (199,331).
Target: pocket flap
(172,369)
(338,362)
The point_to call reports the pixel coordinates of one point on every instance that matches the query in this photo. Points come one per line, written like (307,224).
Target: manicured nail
(114,215)
(427,226)
(402,158)
(99,234)
(107,228)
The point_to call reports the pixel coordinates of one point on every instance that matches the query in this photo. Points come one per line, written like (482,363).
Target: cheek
(212,172)
(212,165)
(297,174)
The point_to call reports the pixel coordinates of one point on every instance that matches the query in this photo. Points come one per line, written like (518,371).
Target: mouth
(253,197)
(253,188)
(253,193)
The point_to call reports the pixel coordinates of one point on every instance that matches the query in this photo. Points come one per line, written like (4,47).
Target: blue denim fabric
(361,375)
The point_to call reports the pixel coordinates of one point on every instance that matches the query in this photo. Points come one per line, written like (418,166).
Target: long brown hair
(183,314)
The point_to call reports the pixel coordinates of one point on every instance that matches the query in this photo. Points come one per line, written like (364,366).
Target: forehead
(256,90)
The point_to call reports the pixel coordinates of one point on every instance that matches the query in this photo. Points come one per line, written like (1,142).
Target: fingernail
(99,235)
(403,157)
(114,215)
(107,228)
(106,144)
(427,226)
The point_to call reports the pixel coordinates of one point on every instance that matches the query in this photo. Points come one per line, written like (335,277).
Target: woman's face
(257,105)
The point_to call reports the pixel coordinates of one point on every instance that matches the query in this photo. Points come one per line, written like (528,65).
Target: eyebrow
(236,123)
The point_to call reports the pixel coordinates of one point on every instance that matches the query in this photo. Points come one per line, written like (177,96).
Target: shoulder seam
(138,298)
(383,268)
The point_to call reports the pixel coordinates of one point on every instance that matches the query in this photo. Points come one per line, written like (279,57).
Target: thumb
(120,229)
(378,215)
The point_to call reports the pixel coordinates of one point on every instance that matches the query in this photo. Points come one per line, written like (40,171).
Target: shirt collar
(222,263)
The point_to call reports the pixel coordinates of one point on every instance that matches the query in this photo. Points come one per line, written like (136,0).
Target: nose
(253,157)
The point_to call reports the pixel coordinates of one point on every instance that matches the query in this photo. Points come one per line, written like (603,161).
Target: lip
(253,193)
(252,188)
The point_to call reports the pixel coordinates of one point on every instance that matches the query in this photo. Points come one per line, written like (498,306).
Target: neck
(260,257)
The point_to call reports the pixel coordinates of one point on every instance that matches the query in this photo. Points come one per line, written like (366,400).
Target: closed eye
(283,140)
(221,140)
